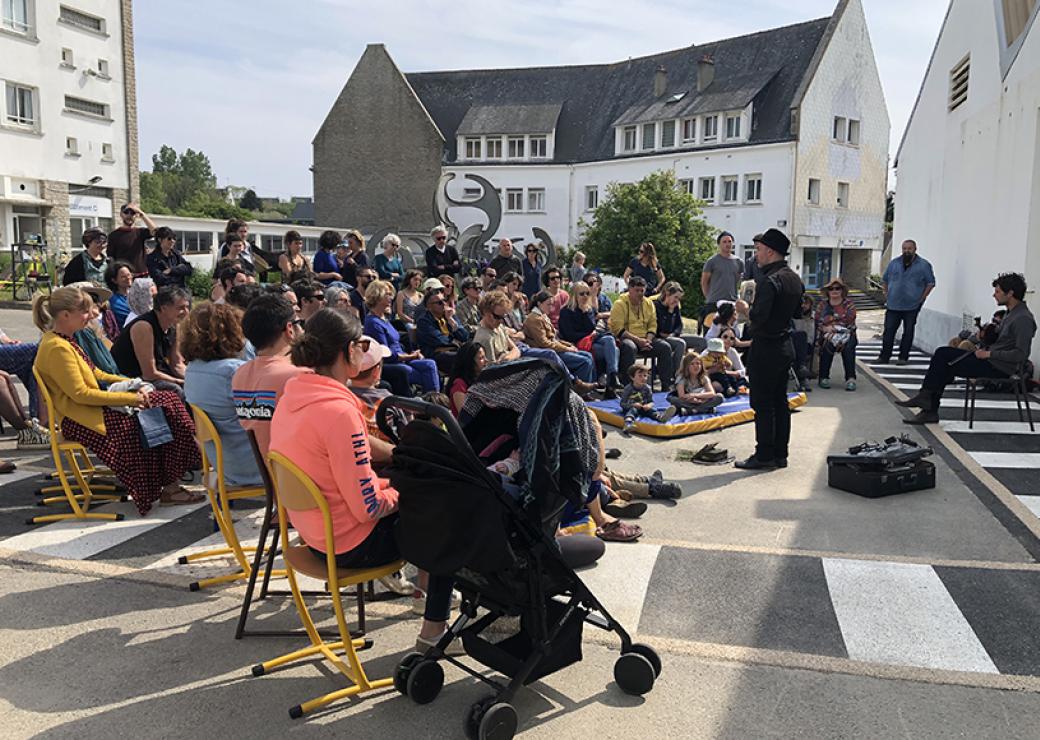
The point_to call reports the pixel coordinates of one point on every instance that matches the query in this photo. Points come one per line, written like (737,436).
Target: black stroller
(457,518)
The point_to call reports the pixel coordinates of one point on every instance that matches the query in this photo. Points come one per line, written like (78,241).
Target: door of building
(816,267)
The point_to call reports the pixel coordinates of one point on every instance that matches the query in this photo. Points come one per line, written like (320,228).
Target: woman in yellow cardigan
(88,415)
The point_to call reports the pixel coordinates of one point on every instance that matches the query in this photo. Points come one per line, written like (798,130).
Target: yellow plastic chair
(295,491)
(220,497)
(75,472)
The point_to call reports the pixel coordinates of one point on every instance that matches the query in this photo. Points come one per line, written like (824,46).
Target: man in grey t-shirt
(720,278)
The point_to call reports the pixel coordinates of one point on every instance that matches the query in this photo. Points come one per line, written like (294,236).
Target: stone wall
(377,156)
(130,90)
(56,223)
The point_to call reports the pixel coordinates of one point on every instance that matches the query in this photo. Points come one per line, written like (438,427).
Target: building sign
(852,243)
(90,206)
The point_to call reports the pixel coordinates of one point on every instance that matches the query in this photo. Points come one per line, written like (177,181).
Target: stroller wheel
(404,668)
(650,654)
(634,674)
(488,720)
(425,681)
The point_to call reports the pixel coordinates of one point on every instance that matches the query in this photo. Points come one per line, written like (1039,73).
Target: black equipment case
(874,470)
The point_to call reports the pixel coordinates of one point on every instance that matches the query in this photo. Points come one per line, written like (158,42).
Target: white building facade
(824,185)
(68,121)
(968,168)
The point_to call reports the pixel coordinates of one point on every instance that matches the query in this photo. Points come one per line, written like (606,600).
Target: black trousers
(769,363)
(941,373)
(892,321)
(848,358)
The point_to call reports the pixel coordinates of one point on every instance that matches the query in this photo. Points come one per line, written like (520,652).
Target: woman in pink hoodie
(319,425)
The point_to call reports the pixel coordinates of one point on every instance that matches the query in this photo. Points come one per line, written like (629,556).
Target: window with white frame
(536,200)
(711,128)
(201,242)
(689,130)
(86,107)
(959,82)
(752,188)
(686,185)
(591,197)
(733,127)
(516,147)
(79,19)
(71,146)
(730,189)
(21,105)
(649,136)
(814,191)
(106,153)
(473,147)
(707,189)
(843,195)
(853,137)
(840,129)
(67,58)
(668,133)
(514,200)
(102,68)
(14,16)
(629,143)
(539,147)
(494,147)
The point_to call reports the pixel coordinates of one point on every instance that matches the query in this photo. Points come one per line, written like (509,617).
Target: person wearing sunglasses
(321,426)
(127,242)
(442,258)
(532,270)
(89,265)
(552,279)
(836,332)
(311,295)
(166,266)
(438,331)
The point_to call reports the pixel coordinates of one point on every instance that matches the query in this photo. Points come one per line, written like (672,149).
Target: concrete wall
(377,156)
(846,84)
(968,187)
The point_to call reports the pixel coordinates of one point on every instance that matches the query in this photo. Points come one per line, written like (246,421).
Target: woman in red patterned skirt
(88,415)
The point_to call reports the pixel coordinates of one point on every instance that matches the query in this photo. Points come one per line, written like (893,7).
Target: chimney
(660,81)
(705,72)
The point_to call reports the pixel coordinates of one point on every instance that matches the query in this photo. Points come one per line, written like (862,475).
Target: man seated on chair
(1002,360)
(633,320)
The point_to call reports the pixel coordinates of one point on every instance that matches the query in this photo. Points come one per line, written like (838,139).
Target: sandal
(619,531)
(180,497)
(6,466)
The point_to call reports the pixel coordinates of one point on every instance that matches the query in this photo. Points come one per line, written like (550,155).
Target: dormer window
(629,134)
(733,127)
(649,136)
(539,147)
(668,134)
(711,128)
(516,147)
(494,148)
(689,130)
(473,148)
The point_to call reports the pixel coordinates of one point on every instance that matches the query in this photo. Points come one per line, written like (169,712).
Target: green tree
(184,185)
(656,210)
(250,201)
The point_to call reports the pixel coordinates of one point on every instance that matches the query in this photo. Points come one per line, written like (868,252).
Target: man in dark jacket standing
(442,258)
(1004,358)
(778,292)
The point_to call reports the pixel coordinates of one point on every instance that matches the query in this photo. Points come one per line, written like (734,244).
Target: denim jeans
(893,319)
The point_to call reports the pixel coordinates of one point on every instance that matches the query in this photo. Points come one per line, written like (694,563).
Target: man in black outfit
(442,258)
(778,292)
(1014,341)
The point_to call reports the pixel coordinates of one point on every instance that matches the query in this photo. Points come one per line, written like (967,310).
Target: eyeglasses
(435,303)
(298,323)
(834,289)
(554,277)
(498,317)
(440,238)
(491,274)
(532,251)
(583,292)
(318,297)
(364,344)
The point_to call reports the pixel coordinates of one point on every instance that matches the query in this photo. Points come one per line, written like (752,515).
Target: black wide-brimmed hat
(775,240)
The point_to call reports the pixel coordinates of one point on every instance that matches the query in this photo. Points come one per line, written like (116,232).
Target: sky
(249,83)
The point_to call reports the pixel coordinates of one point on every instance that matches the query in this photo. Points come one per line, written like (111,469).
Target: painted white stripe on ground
(902,376)
(981,403)
(79,539)
(18,475)
(989,427)
(1020,460)
(1032,503)
(620,580)
(902,614)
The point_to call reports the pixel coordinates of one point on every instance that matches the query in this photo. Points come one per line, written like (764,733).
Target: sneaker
(665,490)
(454,648)
(850,385)
(668,413)
(398,584)
(627,430)
(900,362)
(825,383)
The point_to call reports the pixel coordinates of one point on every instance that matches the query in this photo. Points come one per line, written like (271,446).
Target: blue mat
(736,410)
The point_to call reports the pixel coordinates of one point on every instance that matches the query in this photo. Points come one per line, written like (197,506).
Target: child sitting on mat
(637,398)
(718,366)
(694,392)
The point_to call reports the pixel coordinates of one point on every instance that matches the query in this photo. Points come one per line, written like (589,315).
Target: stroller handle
(420,408)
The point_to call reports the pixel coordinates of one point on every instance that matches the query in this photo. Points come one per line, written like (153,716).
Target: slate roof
(510,119)
(766,67)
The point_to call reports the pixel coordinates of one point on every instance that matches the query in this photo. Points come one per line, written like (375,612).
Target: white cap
(376,353)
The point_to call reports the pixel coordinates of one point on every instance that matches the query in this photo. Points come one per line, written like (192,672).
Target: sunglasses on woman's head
(364,344)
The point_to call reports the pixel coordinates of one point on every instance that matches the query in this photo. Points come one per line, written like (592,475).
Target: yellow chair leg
(65,517)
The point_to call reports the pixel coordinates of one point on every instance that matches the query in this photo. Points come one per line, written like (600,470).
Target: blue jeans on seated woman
(380,548)
(420,372)
(605,351)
